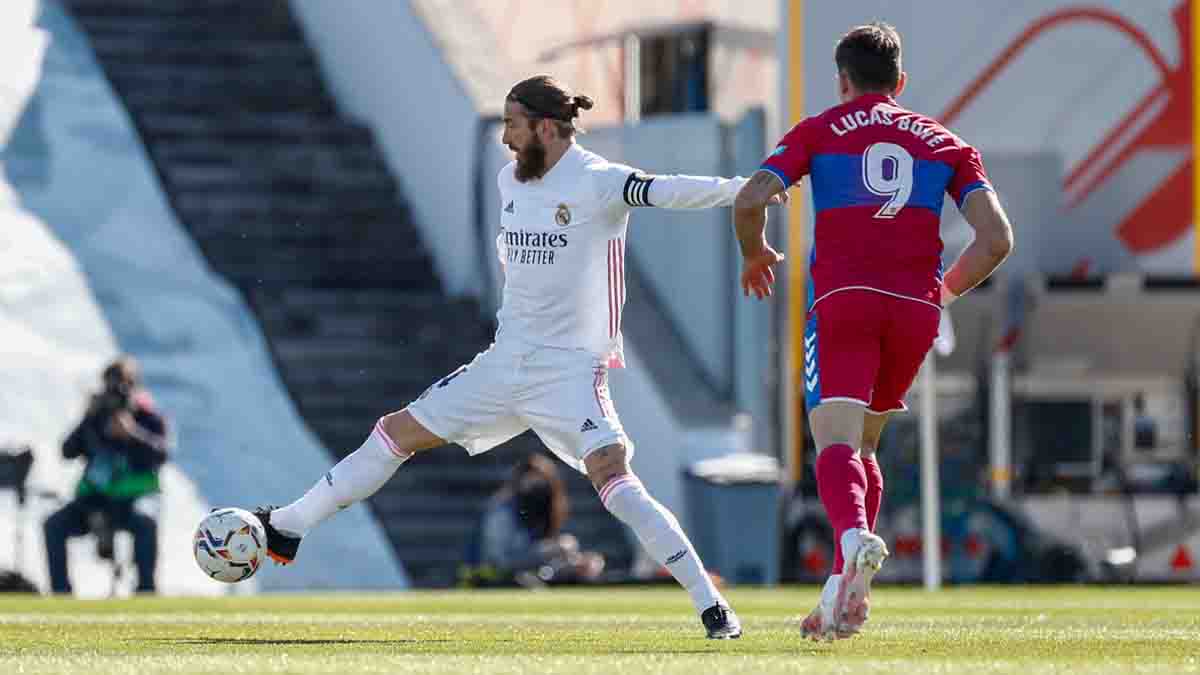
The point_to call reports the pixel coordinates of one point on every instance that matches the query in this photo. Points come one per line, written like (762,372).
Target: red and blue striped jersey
(879,174)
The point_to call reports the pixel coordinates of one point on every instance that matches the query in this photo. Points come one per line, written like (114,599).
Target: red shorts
(866,347)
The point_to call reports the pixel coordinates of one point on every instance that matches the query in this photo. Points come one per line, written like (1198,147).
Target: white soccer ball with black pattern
(230,545)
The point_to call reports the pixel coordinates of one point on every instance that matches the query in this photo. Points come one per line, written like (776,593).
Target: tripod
(14,471)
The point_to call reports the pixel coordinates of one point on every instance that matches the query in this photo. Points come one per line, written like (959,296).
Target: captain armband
(637,189)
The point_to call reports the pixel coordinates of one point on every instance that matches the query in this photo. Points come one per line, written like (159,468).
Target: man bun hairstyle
(581,102)
(870,57)
(544,97)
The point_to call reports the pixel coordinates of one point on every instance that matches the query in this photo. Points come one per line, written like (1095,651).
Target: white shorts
(561,394)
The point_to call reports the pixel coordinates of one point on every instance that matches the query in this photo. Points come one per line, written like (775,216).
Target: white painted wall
(56,341)
(95,263)
(665,445)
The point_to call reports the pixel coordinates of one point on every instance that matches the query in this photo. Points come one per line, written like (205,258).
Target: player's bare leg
(395,438)
(658,530)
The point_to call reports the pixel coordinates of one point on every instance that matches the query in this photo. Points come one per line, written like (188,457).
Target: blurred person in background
(520,538)
(124,441)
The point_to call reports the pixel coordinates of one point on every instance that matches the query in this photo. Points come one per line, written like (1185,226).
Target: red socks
(874,489)
(842,486)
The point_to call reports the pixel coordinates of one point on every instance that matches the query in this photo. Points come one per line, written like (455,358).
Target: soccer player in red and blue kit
(879,174)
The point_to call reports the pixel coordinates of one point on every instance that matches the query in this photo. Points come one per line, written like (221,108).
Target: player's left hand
(757,275)
(779,198)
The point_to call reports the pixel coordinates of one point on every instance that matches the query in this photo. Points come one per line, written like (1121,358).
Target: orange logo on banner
(1160,121)
(1182,560)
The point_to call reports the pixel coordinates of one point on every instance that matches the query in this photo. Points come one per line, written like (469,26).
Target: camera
(117,396)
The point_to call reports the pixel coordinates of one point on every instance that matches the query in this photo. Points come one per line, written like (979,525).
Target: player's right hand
(757,275)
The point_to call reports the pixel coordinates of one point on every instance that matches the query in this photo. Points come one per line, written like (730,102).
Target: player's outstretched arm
(993,242)
(750,222)
(682,192)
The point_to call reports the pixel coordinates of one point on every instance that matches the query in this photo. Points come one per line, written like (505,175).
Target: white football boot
(864,554)
(821,623)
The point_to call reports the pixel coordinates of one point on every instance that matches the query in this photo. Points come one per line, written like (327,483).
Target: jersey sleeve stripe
(620,283)
(616,272)
(622,273)
(616,282)
(610,289)
(637,190)
(971,187)
(787,182)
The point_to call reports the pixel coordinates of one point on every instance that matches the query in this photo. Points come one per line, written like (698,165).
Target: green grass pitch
(1023,630)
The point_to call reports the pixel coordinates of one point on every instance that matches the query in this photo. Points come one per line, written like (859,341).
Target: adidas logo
(510,208)
(588,425)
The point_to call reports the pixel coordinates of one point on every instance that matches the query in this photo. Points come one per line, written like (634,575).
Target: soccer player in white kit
(564,213)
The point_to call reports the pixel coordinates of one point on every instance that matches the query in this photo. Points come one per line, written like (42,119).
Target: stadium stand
(294,205)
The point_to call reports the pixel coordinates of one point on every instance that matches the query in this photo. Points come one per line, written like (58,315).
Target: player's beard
(531,160)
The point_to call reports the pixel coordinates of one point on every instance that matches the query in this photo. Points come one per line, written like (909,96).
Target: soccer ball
(230,545)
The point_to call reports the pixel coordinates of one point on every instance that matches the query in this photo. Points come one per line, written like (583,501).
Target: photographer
(519,539)
(124,441)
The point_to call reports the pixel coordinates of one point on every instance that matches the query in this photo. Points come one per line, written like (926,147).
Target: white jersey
(562,245)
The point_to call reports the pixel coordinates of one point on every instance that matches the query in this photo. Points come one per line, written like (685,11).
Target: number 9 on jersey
(888,172)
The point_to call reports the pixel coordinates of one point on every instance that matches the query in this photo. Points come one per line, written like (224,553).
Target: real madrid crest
(563,215)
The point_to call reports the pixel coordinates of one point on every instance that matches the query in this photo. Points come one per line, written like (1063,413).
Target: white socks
(659,532)
(355,478)
(829,593)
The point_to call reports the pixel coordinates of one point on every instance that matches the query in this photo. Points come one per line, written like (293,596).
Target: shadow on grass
(287,643)
(658,652)
(734,647)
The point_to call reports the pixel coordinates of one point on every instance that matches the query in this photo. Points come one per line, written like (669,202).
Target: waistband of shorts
(522,347)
